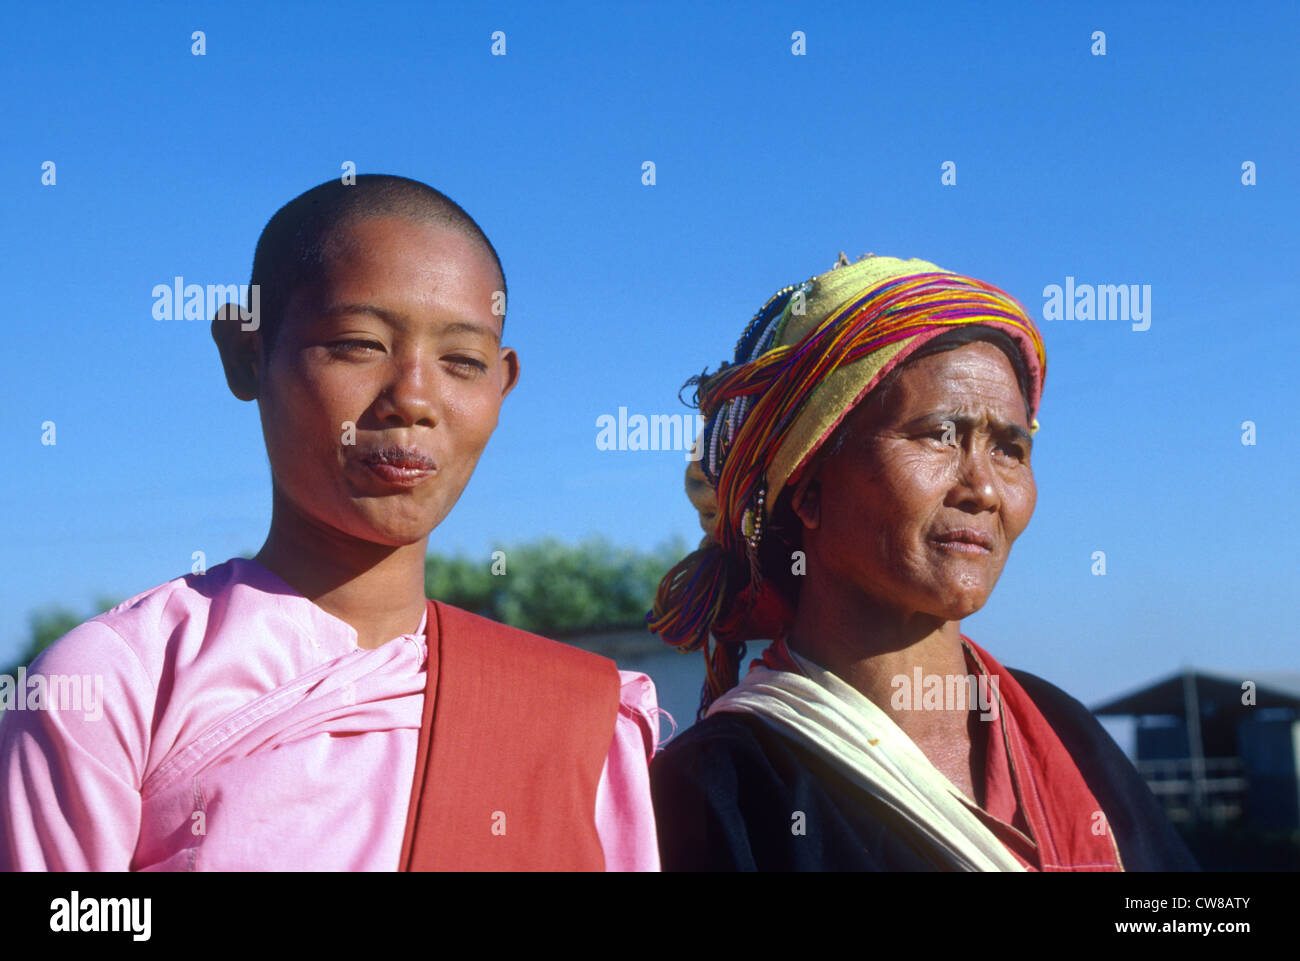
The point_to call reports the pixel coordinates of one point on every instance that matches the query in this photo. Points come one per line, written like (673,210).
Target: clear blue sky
(1122,169)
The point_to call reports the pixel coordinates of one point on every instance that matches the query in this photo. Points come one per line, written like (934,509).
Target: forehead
(395,251)
(973,376)
(406,268)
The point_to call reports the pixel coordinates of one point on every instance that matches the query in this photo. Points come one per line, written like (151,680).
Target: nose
(976,487)
(410,397)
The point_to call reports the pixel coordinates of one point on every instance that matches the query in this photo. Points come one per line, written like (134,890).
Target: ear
(239,351)
(510,368)
(805,500)
(702,495)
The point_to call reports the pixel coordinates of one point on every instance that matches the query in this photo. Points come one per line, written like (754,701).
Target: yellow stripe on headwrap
(840,392)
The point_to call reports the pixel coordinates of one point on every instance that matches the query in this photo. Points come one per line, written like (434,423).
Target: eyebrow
(965,421)
(398,320)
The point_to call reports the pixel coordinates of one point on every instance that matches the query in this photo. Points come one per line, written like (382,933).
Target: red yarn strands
(707,586)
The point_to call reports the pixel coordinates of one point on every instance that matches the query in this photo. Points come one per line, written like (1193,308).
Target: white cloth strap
(840,724)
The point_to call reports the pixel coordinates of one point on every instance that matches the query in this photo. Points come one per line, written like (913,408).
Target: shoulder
(522,642)
(122,655)
(86,699)
(146,622)
(1051,698)
(735,755)
(94,646)
(724,733)
(704,790)
(717,754)
(1101,761)
(524,672)
(732,794)
(134,646)
(1076,726)
(128,639)
(638,712)
(1147,840)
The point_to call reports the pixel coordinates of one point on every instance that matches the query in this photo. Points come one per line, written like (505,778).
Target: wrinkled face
(385,381)
(920,506)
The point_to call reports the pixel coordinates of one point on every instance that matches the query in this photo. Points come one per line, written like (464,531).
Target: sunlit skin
(399,338)
(881,595)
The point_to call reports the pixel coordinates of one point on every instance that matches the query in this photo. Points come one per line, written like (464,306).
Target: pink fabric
(243,729)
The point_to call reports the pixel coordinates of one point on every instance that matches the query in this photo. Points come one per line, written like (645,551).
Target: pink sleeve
(70,768)
(625,819)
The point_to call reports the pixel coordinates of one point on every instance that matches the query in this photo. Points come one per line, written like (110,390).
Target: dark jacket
(728,792)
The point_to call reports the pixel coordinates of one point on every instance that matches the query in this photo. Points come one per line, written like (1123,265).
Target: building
(1220,748)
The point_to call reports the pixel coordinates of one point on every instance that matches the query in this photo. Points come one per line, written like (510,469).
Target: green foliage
(551,587)
(469,583)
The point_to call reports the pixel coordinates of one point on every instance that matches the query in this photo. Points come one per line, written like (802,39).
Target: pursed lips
(407,458)
(398,466)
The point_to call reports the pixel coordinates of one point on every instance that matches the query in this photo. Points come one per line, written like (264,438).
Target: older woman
(869,451)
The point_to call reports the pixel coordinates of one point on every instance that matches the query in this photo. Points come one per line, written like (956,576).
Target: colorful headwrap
(810,354)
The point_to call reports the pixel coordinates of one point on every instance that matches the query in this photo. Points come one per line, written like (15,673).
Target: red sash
(515,732)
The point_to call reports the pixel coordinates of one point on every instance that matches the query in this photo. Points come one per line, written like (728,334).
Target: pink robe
(242,728)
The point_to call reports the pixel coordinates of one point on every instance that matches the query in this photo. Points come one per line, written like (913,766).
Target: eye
(466,366)
(944,436)
(343,347)
(1013,449)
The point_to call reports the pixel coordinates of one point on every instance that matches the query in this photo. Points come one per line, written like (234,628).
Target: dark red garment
(514,735)
(1036,802)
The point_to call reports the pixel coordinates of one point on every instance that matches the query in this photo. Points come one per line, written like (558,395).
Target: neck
(378,589)
(867,645)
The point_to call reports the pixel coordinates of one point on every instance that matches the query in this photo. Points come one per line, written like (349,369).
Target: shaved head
(296,244)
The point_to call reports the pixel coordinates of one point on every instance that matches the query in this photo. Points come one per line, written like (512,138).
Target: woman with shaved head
(865,470)
(309,708)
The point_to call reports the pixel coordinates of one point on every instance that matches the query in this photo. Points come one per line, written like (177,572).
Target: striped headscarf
(809,355)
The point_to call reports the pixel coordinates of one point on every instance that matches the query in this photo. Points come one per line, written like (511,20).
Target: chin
(391,531)
(964,607)
(400,535)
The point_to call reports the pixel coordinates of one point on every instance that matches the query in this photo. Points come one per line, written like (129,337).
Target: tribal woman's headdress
(809,355)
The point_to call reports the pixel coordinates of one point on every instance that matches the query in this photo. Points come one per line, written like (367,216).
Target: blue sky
(1116,169)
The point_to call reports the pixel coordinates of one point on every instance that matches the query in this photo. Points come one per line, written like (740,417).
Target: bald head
(297,242)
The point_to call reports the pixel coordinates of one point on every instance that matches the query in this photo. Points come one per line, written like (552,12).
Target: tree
(551,587)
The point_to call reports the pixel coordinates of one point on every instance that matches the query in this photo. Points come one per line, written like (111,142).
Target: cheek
(470,418)
(875,500)
(307,412)
(1019,501)
(336,393)
(913,482)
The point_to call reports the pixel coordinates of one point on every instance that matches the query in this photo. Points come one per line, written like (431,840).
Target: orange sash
(514,735)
